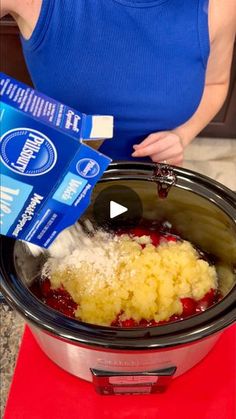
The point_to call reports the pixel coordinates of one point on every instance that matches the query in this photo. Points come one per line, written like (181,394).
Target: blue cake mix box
(47,173)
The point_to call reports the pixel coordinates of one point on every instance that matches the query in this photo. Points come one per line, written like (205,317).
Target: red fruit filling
(128,323)
(189,306)
(58,299)
(46,288)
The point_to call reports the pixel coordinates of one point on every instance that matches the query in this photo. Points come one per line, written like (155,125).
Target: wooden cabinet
(224,124)
(11,56)
(12,63)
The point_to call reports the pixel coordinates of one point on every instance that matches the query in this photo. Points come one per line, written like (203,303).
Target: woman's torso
(142,61)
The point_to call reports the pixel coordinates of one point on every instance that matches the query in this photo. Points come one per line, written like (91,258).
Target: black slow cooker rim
(194,328)
(144,168)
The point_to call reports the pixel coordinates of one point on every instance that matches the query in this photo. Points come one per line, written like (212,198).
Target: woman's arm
(7,7)
(25,13)
(169,145)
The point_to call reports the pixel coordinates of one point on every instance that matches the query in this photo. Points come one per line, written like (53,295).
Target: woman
(161,67)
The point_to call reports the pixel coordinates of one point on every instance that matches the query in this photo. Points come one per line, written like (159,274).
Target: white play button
(117,206)
(116,209)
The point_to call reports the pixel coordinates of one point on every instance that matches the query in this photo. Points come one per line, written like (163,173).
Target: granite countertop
(215,158)
(12,326)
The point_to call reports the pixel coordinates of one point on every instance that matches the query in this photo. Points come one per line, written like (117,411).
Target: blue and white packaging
(47,173)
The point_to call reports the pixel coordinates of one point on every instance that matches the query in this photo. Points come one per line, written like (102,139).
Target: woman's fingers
(159,145)
(156,146)
(150,140)
(146,151)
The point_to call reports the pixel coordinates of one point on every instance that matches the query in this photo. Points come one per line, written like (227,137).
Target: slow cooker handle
(111,382)
(165,177)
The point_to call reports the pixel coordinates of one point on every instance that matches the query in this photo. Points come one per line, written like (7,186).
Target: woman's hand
(165,146)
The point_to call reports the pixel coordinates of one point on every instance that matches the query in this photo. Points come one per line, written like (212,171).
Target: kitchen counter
(215,158)
(12,327)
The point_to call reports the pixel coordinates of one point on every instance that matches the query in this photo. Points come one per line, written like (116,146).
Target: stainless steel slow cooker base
(83,361)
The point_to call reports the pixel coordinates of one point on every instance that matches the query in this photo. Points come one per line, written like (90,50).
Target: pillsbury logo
(27,152)
(87,168)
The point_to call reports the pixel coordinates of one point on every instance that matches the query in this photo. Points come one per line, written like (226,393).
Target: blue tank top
(143,61)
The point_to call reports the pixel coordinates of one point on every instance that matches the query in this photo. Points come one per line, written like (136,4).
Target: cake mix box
(47,173)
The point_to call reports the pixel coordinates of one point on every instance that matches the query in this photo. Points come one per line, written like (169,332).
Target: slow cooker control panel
(111,382)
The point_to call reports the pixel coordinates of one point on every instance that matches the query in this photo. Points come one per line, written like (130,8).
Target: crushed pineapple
(126,277)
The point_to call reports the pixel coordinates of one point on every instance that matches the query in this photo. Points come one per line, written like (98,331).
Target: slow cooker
(137,360)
